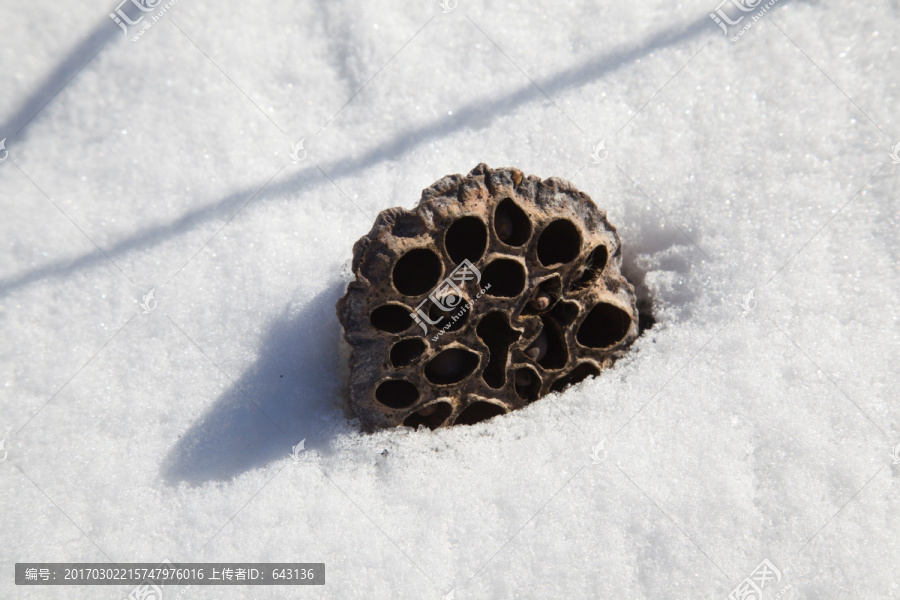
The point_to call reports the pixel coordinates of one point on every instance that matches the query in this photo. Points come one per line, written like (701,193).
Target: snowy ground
(731,436)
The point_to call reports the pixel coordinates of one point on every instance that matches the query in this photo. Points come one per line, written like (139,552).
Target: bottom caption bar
(168,573)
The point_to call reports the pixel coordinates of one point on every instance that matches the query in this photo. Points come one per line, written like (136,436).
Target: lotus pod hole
(495,290)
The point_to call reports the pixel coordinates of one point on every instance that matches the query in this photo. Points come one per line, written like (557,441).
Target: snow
(738,429)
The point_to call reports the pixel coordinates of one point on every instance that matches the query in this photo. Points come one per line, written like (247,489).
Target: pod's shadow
(291,392)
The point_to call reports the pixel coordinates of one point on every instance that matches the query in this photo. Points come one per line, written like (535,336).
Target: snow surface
(730,435)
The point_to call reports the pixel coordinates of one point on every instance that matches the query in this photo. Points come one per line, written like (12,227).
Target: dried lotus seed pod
(495,290)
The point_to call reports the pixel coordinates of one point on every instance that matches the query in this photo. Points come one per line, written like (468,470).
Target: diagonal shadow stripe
(76,59)
(474,112)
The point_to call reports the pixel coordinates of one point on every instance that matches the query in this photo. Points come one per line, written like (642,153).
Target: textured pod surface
(495,290)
